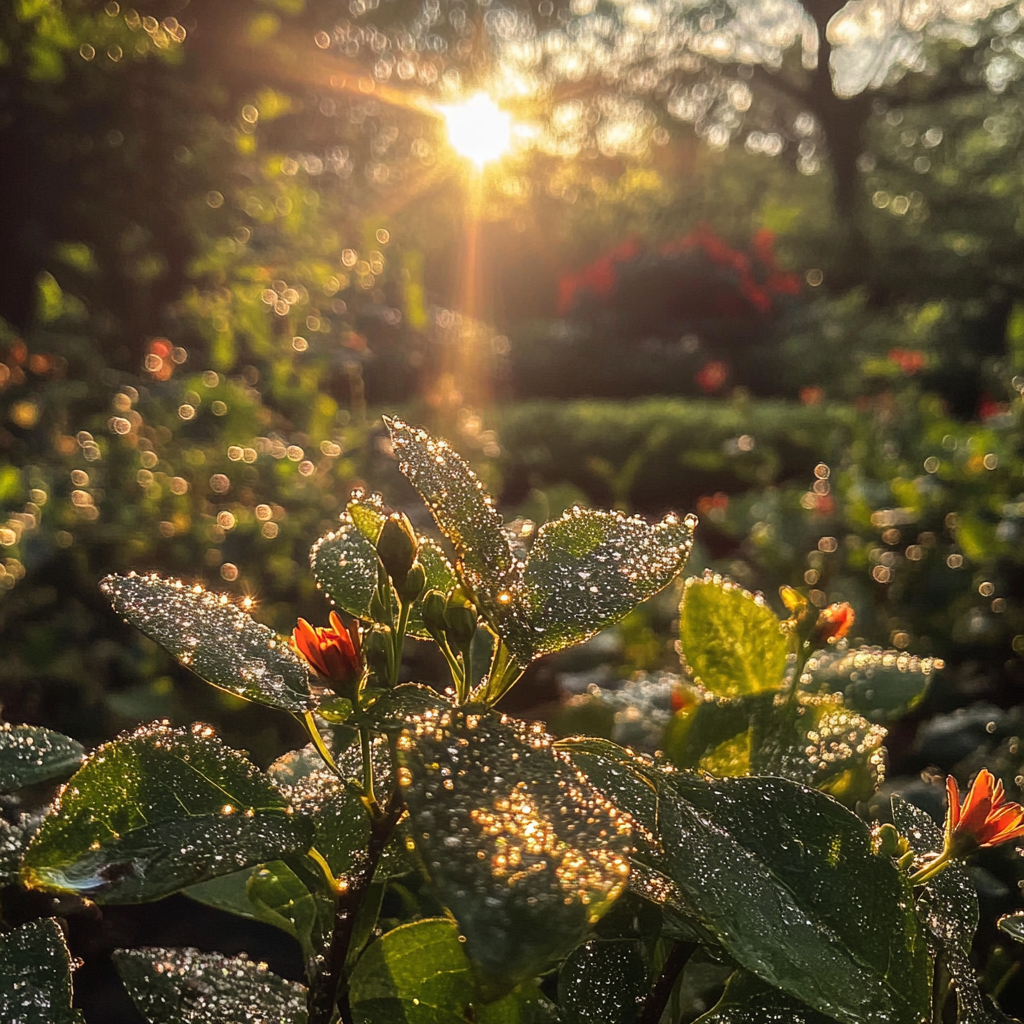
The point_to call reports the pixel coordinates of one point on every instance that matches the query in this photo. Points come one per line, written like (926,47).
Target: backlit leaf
(589,569)
(463,510)
(158,810)
(30,754)
(344,564)
(520,846)
(415,974)
(184,986)
(213,637)
(881,685)
(786,879)
(1013,925)
(35,976)
(731,640)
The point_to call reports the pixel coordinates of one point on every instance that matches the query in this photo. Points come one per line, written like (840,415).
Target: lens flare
(478,129)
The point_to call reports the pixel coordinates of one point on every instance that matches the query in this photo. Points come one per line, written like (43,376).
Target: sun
(478,129)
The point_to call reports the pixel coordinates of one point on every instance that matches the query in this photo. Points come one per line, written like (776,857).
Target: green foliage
(35,976)
(156,811)
(436,861)
(29,754)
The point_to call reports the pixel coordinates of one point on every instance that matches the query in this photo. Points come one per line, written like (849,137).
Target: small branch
(318,742)
(654,1005)
(323,993)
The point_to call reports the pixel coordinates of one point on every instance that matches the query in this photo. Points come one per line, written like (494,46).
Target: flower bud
(414,584)
(432,610)
(377,651)
(397,546)
(795,602)
(460,618)
(834,623)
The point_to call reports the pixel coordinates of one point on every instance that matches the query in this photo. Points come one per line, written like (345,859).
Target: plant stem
(932,868)
(318,742)
(404,608)
(365,744)
(323,993)
(655,1003)
(321,862)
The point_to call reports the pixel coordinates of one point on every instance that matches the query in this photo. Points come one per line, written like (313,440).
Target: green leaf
(819,742)
(786,879)
(213,637)
(13,840)
(463,511)
(525,1004)
(415,974)
(731,640)
(274,894)
(522,849)
(1013,925)
(344,564)
(948,908)
(748,1000)
(603,981)
(184,986)
(393,709)
(881,685)
(35,976)
(713,733)
(588,570)
(368,513)
(30,754)
(156,811)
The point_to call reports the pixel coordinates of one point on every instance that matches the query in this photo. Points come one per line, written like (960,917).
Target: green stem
(365,743)
(404,610)
(502,674)
(321,862)
(318,742)
(932,868)
(657,1000)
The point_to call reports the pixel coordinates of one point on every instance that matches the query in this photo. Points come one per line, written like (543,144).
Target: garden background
(761,261)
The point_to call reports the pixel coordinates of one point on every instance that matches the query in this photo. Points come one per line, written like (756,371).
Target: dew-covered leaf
(948,907)
(731,641)
(623,778)
(748,1000)
(819,742)
(463,511)
(713,733)
(394,708)
(156,811)
(588,570)
(344,564)
(367,511)
(13,841)
(522,849)
(786,879)
(31,754)
(881,685)
(603,982)
(274,894)
(185,986)
(1012,925)
(215,638)
(340,822)
(415,974)
(35,976)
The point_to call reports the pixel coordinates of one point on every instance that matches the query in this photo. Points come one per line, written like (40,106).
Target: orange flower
(834,622)
(985,818)
(333,652)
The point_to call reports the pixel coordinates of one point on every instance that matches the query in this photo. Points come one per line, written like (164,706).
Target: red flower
(712,376)
(834,622)
(985,818)
(332,652)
